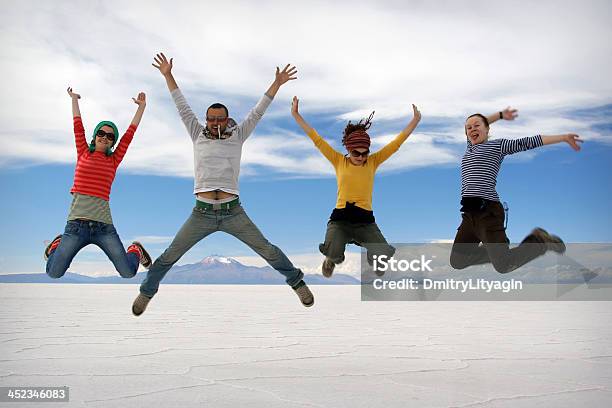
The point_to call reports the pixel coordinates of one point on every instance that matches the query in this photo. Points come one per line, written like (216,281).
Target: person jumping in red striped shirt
(89,220)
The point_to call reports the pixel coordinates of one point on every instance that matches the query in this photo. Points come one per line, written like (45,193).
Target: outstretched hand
(72,94)
(416,113)
(141,100)
(295,106)
(509,113)
(164,66)
(573,140)
(298,118)
(287,74)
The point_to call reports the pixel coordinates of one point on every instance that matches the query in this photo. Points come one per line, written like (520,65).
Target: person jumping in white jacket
(217,151)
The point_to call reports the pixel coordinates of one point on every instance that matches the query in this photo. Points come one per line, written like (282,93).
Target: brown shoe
(305,295)
(553,242)
(328,268)
(140,304)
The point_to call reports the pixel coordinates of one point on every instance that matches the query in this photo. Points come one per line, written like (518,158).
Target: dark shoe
(553,242)
(378,272)
(140,304)
(328,268)
(304,294)
(143,255)
(52,246)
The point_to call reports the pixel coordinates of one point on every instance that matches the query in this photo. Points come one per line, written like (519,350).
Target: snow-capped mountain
(213,259)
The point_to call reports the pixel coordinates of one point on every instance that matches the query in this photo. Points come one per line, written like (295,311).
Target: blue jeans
(202,223)
(80,233)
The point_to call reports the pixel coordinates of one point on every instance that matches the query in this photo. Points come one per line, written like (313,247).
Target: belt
(475,204)
(218,206)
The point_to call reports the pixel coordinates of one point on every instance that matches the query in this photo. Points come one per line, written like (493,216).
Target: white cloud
(441,241)
(450,60)
(418,150)
(153,239)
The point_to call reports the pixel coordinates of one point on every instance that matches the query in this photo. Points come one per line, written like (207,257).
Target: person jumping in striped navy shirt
(89,220)
(482,214)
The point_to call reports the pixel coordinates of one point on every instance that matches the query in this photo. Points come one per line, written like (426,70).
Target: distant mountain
(44,278)
(212,270)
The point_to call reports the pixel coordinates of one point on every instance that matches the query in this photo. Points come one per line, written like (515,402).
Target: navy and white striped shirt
(481,162)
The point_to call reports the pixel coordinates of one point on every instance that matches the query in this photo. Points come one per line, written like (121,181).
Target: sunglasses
(216,118)
(356,153)
(109,136)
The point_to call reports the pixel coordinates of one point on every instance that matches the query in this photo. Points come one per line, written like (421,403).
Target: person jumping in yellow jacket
(352,221)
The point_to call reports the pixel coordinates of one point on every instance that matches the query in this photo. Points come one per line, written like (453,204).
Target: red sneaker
(52,245)
(143,255)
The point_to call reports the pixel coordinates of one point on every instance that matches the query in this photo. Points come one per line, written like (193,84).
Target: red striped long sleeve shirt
(95,172)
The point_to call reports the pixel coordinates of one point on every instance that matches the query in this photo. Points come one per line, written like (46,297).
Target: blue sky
(466,59)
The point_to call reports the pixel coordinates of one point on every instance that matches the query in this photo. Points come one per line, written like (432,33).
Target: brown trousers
(487,226)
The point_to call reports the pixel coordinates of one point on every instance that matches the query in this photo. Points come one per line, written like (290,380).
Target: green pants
(202,223)
(367,235)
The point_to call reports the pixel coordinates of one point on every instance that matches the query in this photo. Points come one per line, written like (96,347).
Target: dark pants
(367,235)
(487,226)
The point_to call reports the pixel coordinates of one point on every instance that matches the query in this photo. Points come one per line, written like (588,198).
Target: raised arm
(75,102)
(190,120)
(570,138)
(383,154)
(165,68)
(508,146)
(141,101)
(247,126)
(79,130)
(295,112)
(127,137)
(506,114)
(329,152)
(416,118)
(281,77)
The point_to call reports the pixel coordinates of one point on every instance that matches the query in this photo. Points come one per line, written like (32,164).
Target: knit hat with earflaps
(92,144)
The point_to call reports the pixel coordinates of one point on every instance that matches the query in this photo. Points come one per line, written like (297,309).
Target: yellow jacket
(355,183)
